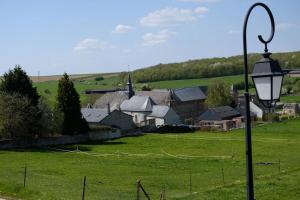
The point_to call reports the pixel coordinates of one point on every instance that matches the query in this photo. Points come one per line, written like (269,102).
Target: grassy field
(48,89)
(162,162)
(290,99)
(195,82)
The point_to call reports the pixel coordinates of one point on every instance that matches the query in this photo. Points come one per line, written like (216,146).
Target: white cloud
(120,28)
(199,1)
(172,16)
(91,45)
(285,26)
(233,32)
(152,39)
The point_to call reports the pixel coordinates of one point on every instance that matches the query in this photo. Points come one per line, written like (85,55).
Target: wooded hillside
(206,68)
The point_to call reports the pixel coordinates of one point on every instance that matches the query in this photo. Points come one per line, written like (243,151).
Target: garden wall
(66,139)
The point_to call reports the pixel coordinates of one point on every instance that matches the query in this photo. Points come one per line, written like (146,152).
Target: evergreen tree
(67,108)
(219,95)
(17,81)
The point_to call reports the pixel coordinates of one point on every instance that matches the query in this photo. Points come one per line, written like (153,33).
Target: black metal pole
(83,188)
(249,165)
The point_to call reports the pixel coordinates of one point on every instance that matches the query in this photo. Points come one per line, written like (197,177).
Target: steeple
(130,91)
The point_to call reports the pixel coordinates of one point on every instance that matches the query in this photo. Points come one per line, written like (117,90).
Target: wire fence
(58,184)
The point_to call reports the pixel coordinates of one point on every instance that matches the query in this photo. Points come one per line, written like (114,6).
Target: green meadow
(200,165)
(48,89)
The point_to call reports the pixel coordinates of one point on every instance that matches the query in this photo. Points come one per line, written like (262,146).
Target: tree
(18,117)
(219,95)
(17,81)
(67,108)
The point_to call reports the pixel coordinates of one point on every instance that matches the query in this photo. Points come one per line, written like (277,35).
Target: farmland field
(48,88)
(185,166)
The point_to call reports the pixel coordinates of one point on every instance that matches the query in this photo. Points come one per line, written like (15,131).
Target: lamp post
(267,77)
(249,166)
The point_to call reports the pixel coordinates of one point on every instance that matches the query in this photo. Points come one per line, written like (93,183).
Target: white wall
(138,117)
(256,110)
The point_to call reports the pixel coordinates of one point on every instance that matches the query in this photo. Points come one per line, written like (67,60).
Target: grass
(195,82)
(162,162)
(290,98)
(48,89)
(82,83)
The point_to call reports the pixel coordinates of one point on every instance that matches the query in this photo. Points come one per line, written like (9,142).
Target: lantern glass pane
(277,81)
(263,87)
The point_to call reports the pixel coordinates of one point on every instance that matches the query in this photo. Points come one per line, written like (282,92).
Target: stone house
(164,115)
(187,102)
(221,118)
(291,109)
(139,107)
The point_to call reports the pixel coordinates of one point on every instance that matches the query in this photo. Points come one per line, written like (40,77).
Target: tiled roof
(138,103)
(189,94)
(160,97)
(159,111)
(94,115)
(220,113)
(114,99)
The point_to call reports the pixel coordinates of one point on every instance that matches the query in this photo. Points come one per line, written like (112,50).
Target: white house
(164,115)
(146,113)
(139,107)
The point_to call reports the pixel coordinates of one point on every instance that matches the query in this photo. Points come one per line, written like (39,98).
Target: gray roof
(94,115)
(114,99)
(138,104)
(159,111)
(189,94)
(160,97)
(220,113)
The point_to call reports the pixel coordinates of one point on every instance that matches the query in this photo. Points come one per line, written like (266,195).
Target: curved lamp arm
(265,42)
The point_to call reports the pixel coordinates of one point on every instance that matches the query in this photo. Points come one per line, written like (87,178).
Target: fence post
(223,176)
(190,183)
(138,190)
(25,175)
(83,187)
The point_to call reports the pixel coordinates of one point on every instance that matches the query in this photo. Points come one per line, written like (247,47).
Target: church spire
(129,87)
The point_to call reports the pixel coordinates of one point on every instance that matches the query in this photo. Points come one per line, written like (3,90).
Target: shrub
(99,78)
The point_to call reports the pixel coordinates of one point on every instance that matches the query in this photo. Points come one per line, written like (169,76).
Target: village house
(188,102)
(115,118)
(164,115)
(145,112)
(221,118)
(139,107)
(291,109)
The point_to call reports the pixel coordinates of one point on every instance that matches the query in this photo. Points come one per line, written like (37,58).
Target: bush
(47,91)
(271,117)
(146,87)
(99,78)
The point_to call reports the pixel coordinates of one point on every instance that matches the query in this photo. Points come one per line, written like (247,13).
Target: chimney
(108,108)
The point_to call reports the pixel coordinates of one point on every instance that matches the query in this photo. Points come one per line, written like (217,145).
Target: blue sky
(77,36)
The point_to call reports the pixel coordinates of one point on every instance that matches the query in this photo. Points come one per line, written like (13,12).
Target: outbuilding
(164,115)
(115,118)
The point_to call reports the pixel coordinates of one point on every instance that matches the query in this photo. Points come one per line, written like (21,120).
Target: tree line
(24,113)
(206,68)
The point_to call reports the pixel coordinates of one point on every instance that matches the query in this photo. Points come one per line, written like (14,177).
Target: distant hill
(206,68)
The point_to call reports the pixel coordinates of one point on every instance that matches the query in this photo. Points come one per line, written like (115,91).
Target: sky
(51,37)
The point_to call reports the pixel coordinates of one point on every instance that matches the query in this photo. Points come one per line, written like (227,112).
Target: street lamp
(263,80)
(267,77)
